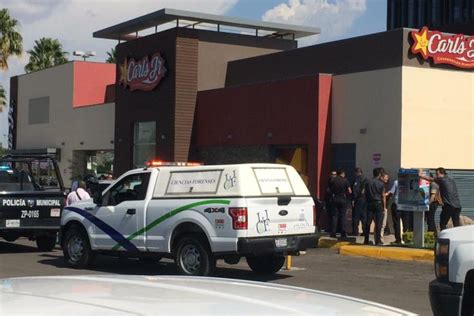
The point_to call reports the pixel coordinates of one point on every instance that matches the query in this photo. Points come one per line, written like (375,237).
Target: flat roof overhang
(129,29)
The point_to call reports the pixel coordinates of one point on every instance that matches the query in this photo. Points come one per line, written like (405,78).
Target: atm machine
(414,196)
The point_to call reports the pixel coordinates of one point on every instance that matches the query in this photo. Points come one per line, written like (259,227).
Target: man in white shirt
(78,195)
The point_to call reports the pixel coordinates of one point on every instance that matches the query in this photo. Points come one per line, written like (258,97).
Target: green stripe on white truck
(168,215)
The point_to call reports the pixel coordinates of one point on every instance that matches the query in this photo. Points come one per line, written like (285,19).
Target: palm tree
(11,44)
(11,41)
(3,98)
(46,53)
(112,56)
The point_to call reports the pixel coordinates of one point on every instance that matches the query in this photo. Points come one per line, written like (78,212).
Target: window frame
(106,197)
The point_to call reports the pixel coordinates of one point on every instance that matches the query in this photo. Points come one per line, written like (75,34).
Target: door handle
(131,211)
(89,208)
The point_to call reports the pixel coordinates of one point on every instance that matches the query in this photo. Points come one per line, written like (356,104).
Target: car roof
(179,295)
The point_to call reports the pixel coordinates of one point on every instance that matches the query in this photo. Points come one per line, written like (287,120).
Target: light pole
(84,55)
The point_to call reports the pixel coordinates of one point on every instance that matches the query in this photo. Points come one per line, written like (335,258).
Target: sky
(74,21)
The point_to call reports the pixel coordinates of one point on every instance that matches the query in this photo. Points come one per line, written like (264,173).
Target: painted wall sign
(144,74)
(456,50)
(377,159)
(193,182)
(273,180)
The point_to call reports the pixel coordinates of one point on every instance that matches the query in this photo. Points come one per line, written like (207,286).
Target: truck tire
(266,264)
(76,248)
(468,296)
(193,256)
(46,243)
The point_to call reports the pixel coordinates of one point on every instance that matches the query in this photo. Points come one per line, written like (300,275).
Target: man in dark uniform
(328,201)
(359,209)
(449,196)
(376,204)
(339,188)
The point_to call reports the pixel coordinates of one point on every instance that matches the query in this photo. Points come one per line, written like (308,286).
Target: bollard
(288,263)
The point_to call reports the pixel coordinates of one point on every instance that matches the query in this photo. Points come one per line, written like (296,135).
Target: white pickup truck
(195,215)
(452,293)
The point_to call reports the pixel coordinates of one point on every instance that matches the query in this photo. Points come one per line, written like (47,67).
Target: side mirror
(97,198)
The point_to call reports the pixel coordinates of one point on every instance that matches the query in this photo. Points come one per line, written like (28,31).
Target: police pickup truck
(31,199)
(195,215)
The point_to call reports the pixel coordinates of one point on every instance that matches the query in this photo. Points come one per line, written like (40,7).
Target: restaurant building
(67,111)
(397,99)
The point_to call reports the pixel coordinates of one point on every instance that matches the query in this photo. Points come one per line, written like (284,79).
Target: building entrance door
(344,157)
(297,157)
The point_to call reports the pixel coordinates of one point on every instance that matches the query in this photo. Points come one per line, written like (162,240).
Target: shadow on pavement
(165,267)
(11,247)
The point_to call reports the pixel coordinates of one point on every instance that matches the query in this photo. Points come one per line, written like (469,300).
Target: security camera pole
(84,55)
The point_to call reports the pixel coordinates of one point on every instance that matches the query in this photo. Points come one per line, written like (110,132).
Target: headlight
(442,259)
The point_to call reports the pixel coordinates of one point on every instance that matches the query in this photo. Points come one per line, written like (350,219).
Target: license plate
(281,242)
(12,223)
(55,212)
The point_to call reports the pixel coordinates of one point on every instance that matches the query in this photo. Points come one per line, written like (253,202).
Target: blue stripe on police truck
(115,235)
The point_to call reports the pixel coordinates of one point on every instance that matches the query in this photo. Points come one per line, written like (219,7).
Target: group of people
(370,198)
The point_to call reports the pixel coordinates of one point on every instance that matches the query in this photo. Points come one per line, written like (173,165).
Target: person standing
(329,203)
(78,195)
(385,230)
(375,193)
(396,214)
(359,209)
(339,188)
(435,202)
(449,197)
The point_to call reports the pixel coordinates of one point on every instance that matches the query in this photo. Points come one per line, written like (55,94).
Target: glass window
(45,174)
(458,11)
(422,7)
(144,143)
(273,180)
(411,14)
(38,111)
(193,182)
(130,188)
(31,175)
(435,12)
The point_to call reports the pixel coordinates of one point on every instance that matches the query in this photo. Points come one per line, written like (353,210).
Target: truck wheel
(468,296)
(266,264)
(76,248)
(193,256)
(46,243)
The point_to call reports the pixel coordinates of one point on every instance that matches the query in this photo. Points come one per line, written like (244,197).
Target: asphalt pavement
(399,284)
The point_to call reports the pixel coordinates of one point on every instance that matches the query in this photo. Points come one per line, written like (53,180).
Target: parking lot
(400,284)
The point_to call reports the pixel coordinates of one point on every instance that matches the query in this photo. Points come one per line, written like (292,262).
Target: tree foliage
(3,98)
(47,52)
(11,44)
(112,56)
(11,41)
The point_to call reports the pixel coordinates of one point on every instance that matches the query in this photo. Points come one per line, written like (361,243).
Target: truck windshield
(13,178)
(28,175)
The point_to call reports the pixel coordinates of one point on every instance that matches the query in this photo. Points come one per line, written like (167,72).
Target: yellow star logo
(123,73)
(421,42)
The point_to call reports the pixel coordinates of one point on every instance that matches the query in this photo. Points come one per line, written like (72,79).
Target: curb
(332,243)
(388,253)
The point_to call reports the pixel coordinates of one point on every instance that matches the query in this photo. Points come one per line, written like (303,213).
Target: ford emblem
(283,212)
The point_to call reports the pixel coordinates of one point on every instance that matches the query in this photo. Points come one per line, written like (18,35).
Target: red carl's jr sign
(456,50)
(144,74)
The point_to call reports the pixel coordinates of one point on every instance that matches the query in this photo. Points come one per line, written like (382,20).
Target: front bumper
(32,224)
(268,245)
(445,298)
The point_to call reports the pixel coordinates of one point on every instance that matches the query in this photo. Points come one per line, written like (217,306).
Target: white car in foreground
(171,295)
